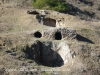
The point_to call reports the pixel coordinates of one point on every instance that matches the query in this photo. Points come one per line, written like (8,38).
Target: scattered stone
(65,52)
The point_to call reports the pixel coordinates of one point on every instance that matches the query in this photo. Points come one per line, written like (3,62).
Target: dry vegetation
(16,26)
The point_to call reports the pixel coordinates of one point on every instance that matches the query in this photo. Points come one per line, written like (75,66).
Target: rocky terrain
(46,42)
(85,9)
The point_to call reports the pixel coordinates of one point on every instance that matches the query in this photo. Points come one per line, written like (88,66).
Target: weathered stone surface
(66,33)
(52,22)
(48,19)
(16,25)
(65,52)
(60,22)
(51,53)
(44,12)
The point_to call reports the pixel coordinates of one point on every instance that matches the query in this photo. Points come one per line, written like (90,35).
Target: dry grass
(15,29)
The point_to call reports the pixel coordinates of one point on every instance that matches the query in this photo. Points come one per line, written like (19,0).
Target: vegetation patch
(57,5)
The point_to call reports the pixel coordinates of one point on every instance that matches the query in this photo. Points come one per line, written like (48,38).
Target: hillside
(85,9)
(46,42)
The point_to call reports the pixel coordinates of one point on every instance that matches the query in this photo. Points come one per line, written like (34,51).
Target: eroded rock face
(50,53)
(48,19)
(65,52)
(58,33)
(60,22)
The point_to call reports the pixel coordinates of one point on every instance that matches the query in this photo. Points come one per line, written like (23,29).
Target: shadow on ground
(84,39)
(87,2)
(85,15)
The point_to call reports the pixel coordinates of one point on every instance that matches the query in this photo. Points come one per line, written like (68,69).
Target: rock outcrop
(50,53)
(58,33)
(48,19)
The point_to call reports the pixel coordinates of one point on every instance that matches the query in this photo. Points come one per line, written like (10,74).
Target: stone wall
(66,33)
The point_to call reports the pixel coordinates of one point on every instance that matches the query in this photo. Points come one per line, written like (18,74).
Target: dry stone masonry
(56,33)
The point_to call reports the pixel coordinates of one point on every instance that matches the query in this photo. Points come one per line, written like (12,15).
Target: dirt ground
(16,27)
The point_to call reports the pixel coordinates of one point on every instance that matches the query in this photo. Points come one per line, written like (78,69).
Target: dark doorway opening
(49,22)
(58,36)
(37,34)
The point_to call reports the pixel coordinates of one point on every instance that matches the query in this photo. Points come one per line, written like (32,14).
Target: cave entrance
(58,36)
(37,34)
(49,22)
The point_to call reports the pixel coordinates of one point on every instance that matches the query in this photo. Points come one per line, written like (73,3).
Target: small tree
(57,5)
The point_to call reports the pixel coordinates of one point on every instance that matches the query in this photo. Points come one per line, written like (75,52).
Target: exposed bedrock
(49,53)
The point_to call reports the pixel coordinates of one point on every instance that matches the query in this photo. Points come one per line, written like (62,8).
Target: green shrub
(57,5)
(39,4)
(61,7)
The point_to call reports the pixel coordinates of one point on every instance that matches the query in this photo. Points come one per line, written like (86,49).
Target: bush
(57,5)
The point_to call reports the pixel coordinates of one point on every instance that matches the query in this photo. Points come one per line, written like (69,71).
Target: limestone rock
(65,52)
(57,33)
(60,22)
(66,33)
(44,12)
(51,53)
